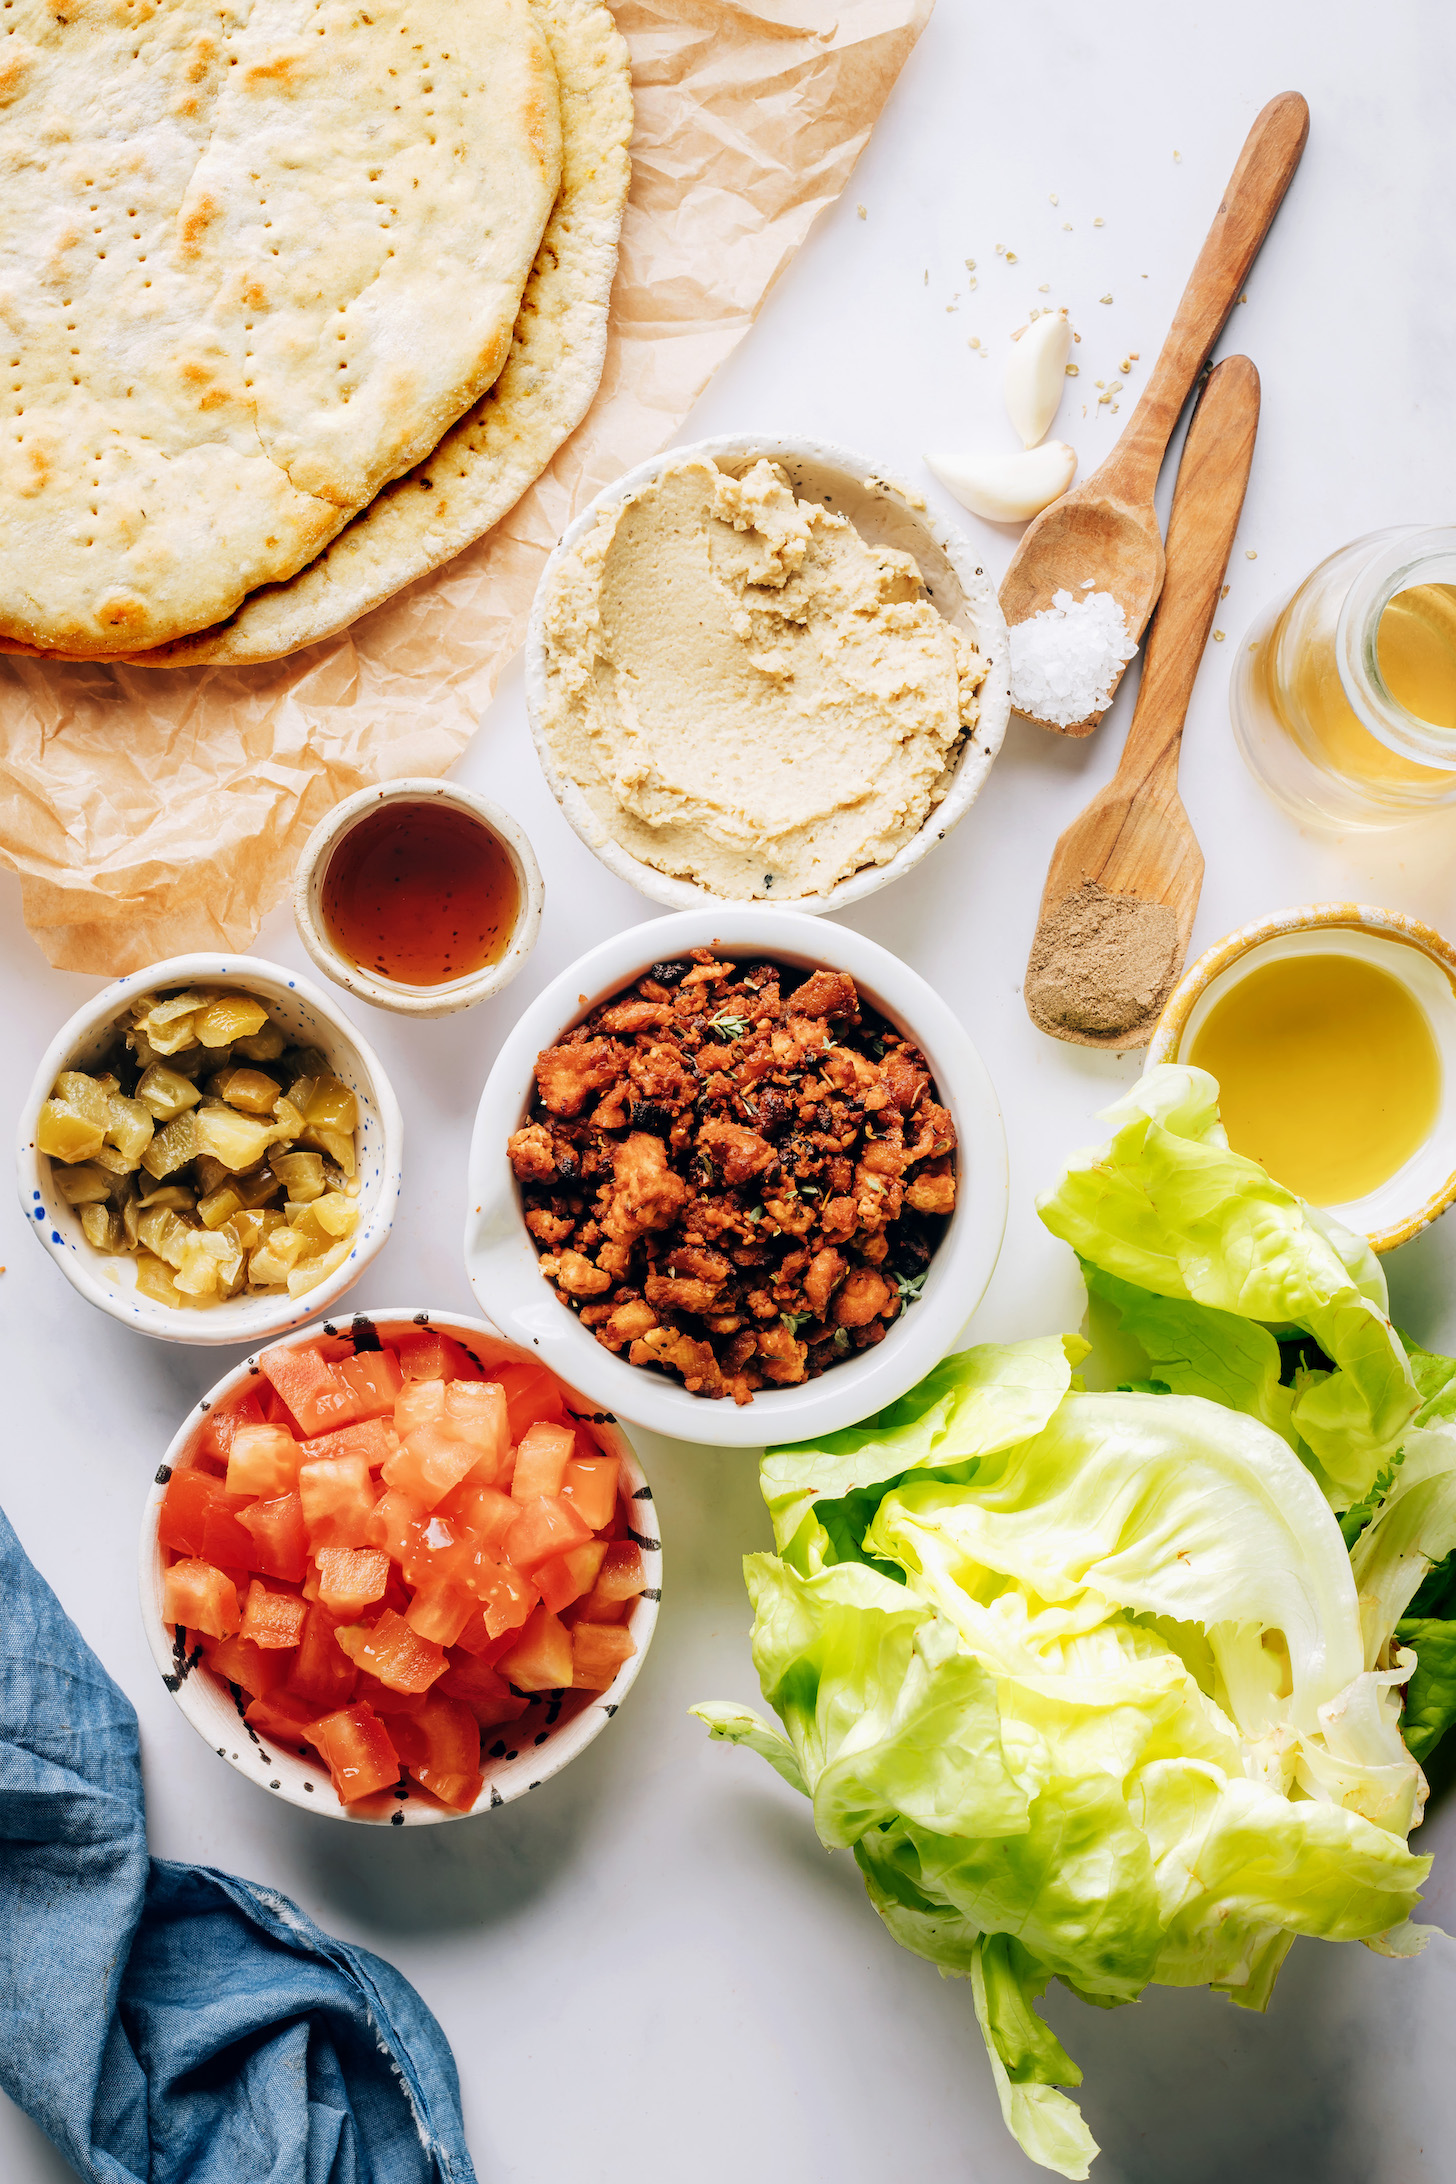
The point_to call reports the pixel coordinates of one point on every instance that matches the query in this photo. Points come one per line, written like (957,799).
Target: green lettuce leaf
(1167,1207)
(973,1403)
(1435,1378)
(1430,1696)
(887,1716)
(1027,2060)
(1414,1529)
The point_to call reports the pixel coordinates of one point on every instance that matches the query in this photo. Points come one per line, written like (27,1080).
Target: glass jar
(1314,714)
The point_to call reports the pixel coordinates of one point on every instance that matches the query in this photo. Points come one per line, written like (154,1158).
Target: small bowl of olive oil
(1332,1032)
(418,896)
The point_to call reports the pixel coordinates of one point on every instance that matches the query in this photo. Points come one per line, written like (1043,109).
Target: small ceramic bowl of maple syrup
(418,896)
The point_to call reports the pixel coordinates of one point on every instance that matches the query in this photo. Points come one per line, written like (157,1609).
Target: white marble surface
(650,1968)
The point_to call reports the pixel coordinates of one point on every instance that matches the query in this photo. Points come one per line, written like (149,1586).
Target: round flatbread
(257,260)
(482,467)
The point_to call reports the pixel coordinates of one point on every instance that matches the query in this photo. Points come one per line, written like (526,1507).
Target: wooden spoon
(1134,838)
(1107,528)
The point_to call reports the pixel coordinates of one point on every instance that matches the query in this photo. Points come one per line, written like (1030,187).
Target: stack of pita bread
(297,298)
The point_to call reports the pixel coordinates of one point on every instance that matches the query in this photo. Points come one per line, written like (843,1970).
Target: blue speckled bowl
(306,1013)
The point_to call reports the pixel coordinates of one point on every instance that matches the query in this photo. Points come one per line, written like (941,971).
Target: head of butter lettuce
(1091,1683)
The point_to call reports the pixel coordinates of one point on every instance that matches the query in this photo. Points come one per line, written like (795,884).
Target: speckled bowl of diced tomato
(396,1571)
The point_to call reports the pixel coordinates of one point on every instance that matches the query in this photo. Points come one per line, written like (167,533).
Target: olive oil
(1328,1073)
(421,894)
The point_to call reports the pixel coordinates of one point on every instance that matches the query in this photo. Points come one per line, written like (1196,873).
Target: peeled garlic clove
(1036,373)
(1008,488)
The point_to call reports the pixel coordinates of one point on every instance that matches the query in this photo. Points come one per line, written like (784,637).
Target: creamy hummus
(746,692)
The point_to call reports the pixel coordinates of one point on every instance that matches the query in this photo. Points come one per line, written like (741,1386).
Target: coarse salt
(1065,660)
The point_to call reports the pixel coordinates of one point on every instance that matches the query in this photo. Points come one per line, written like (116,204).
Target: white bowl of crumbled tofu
(754,684)
(769,1179)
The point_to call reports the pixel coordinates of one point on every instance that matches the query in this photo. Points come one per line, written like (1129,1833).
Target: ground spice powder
(1101,962)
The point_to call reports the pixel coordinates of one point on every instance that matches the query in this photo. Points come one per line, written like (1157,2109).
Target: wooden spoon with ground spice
(1117,910)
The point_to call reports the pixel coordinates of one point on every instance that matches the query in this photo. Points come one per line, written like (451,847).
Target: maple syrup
(420,893)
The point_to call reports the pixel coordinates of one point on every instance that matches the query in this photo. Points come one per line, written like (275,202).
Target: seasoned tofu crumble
(735,1175)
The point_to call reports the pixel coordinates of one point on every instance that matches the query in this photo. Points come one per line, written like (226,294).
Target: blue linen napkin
(168,2024)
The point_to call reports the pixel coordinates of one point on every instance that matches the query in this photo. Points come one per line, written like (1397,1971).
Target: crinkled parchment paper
(150,811)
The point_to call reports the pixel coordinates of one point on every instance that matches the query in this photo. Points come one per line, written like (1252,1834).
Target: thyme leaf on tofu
(727,1027)
(910,1285)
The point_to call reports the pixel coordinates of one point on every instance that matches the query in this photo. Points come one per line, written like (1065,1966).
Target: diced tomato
(275,1410)
(505,1595)
(475,1411)
(387,1702)
(440,1612)
(262,1460)
(199,1517)
(322,1673)
(482,1514)
(590,1485)
(286,1720)
(426,1354)
(483,1689)
(566,1577)
(201,1597)
(272,1619)
(431,1413)
(591,1608)
(531,1394)
(375,1378)
(223,1422)
(393,1652)
(541,1658)
(237,1660)
(375,1440)
(351,1578)
(441,1748)
(597,1652)
(317,1394)
(280,1543)
(338,1501)
(541,1460)
(396,1523)
(546,1526)
(620,1578)
(476,1640)
(439,1550)
(357,1749)
(429,1462)
(423,1355)
(419,1403)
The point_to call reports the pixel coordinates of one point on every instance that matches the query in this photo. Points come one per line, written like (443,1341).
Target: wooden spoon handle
(1264,172)
(1207,501)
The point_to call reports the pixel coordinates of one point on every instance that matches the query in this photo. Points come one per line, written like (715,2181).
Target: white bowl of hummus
(757,670)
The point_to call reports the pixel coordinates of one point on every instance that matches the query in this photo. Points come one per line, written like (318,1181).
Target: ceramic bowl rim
(1357,917)
(510,1783)
(384,993)
(270,1312)
(501,1258)
(978,752)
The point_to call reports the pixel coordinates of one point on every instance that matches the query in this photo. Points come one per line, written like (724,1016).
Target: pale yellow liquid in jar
(1409,642)
(1328,1073)
(1416,647)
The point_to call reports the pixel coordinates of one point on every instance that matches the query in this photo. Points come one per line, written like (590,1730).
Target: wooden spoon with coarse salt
(1107,528)
(1117,910)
